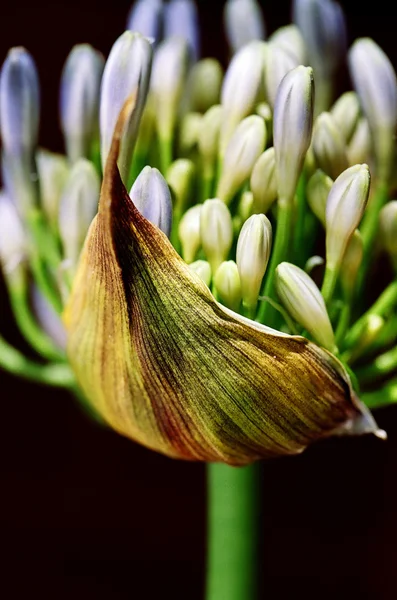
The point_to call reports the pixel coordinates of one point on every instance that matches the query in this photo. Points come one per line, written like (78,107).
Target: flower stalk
(233,538)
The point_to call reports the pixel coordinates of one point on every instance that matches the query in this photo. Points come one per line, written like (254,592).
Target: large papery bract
(167,366)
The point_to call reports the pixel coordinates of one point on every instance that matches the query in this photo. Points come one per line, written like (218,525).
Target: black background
(87,514)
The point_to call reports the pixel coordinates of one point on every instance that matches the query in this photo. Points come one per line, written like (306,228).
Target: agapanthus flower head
(174,245)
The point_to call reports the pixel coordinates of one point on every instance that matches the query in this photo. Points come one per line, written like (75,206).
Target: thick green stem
(343,323)
(369,230)
(299,246)
(43,281)
(43,238)
(329,283)
(207,183)
(27,324)
(174,237)
(232,553)
(266,313)
(13,361)
(165,149)
(44,255)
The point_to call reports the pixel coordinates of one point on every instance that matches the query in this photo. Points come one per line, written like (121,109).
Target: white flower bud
(78,206)
(53,170)
(263,110)
(375,82)
(252,255)
(388,229)
(204,85)
(292,128)
(244,209)
(242,84)
(216,231)
(244,22)
(181,20)
(202,269)
(346,113)
(263,182)
(189,131)
(243,150)
(19,103)
(208,140)
(329,146)
(79,100)
(180,177)
(168,79)
(189,233)
(127,71)
(304,302)
(145,18)
(48,319)
(13,245)
(351,263)
(345,207)
(290,38)
(317,191)
(227,285)
(360,146)
(279,62)
(151,195)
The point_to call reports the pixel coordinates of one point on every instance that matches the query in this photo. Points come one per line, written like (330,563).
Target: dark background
(87,514)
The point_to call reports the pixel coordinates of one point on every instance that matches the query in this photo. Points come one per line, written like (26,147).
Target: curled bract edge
(169,367)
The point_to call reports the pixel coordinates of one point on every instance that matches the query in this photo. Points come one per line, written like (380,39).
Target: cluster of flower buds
(216,253)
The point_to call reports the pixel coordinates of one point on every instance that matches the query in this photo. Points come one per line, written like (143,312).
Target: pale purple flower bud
(79,100)
(244,22)
(13,244)
(151,195)
(19,103)
(127,71)
(145,17)
(243,81)
(181,20)
(376,84)
(78,206)
(323,27)
(292,128)
(19,122)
